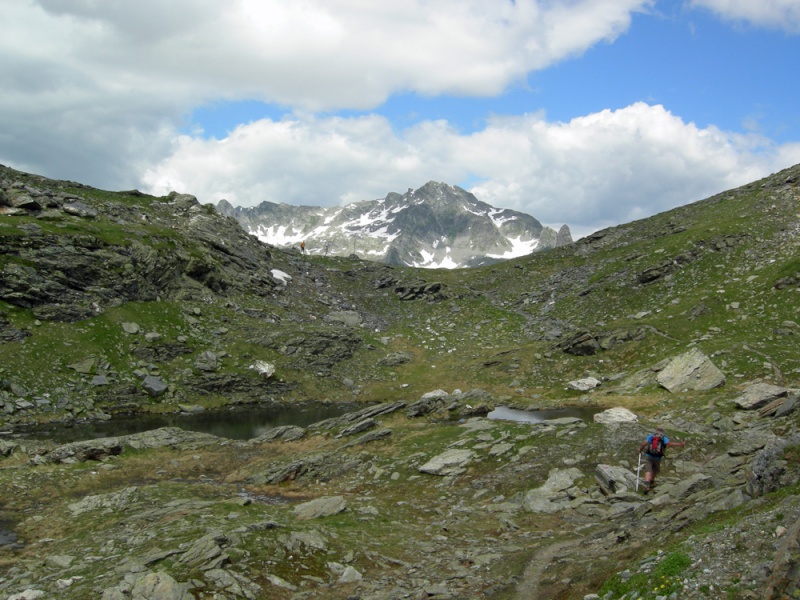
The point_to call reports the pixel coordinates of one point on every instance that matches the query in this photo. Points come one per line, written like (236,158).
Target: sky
(590,113)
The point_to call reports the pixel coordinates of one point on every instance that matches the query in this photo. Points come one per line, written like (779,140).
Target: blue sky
(585,112)
(734,76)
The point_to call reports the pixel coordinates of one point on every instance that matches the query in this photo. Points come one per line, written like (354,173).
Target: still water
(235,423)
(504,413)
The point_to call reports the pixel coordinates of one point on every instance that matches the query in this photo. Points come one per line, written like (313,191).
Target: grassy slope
(489,332)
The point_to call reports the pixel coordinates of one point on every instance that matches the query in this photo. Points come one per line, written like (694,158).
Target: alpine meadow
(122,304)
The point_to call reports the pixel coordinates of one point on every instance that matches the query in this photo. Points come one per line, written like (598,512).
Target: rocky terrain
(116,303)
(435,226)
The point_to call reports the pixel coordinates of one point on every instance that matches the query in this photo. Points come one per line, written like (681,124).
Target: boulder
(359,427)
(79,209)
(206,552)
(8,448)
(551,497)
(396,359)
(613,479)
(450,462)
(158,585)
(206,361)
(425,406)
(617,414)
(236,584)
(584,385)
(320,507)
(154,386)
(263,368)
(345,317)
(692,484)
(758,395)
(285,433)
(85,366)
(95,449)
(131,328)
(691,370)
(114,501)
(350,575)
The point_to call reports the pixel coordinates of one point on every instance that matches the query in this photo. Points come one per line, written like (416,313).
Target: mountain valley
(121,303)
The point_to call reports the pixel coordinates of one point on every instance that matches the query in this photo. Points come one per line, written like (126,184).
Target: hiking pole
(638,470)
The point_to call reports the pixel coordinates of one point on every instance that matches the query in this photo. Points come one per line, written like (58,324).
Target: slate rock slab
(448,463)
(758,395)
(326,506)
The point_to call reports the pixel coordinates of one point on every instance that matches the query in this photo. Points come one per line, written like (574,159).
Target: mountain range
(435,226)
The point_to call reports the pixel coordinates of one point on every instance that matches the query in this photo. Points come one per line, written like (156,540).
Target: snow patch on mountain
(437,226)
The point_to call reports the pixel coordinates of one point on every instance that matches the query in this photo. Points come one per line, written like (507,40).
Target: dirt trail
(530,588)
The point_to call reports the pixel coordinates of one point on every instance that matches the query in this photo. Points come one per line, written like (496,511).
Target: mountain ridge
(434,226)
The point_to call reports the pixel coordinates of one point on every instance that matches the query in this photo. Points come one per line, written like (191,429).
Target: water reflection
(504,413)
(7,536)
(236,424)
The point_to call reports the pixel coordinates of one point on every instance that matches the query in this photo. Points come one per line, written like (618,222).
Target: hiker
(303,247)
(653,448)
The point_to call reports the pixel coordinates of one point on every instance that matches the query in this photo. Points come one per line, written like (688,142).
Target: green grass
(663,580)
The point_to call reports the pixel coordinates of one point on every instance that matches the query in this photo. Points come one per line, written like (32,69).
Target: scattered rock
(154,386)
(347,317)
(131,328)
(584,385)
(263,368)
(450,462)
(396,359)
(320,507)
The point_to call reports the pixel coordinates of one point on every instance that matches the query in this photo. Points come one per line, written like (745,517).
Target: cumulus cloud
(778,14)
(602,169)
(98,91)
(92,90)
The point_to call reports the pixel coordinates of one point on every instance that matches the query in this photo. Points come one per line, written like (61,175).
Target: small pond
(503,413)
(235,423)
(7,536)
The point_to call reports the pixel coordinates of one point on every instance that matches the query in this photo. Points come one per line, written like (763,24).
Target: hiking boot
(646,489)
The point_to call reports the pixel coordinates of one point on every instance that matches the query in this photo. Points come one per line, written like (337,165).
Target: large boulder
(617,414)
(691,370)
(613,479)
(758,395)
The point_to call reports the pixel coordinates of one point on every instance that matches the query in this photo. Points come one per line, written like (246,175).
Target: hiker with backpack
(653,448)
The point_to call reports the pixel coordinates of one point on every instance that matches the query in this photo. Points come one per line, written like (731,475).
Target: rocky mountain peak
(435,226)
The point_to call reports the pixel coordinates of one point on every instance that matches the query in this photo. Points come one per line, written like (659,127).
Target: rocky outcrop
(75,276)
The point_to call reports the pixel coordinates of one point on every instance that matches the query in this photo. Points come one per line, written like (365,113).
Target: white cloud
(599,170)
(92,90)
(778,14)
(96,92)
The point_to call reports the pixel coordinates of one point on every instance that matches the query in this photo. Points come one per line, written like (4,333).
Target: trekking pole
(638,470)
